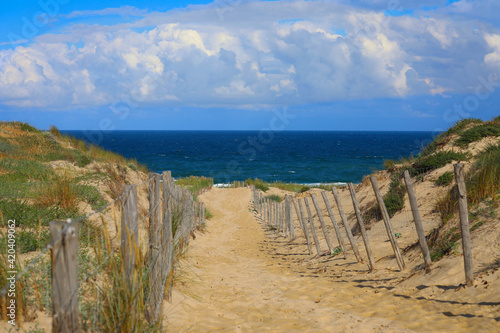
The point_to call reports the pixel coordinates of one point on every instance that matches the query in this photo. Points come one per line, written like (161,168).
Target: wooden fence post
(302,224)
(464,223)
(155,299)
(334,222)
(64,255)
(387,223)
(311,225)
(418,221)
(289,216)
(364,235)
(129,231)
(167,248)
(202,214)
(322,222)
(354,245)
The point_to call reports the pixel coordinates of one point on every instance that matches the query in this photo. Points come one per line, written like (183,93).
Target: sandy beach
(239,277)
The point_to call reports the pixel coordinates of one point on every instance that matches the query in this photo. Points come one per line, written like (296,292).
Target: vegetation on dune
(275,197)
(477,133)
(435,161)
(195,183)
(482,179)
(393,199)
(445,179)
(258,183)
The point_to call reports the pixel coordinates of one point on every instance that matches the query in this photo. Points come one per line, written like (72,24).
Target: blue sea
(305,157)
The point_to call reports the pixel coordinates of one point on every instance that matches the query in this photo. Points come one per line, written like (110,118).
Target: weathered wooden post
(302,224)
(418,221)
(129,231)
(155,254)
(64,255)
(322,222)
(202,214)
(167,248)
(311,225)
(334,222)
(289,216)
(387,223)
(350,236)
(364,235)
(464,223)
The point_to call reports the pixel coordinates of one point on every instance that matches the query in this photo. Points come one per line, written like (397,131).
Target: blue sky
(234,64)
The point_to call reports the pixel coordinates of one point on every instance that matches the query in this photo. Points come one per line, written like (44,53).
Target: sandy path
(237,285)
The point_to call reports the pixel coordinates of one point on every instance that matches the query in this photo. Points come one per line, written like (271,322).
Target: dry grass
(60,191)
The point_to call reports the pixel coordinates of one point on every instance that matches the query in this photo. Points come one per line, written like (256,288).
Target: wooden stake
(418,222)
(334,222)
(311,225)
(350,236)
(155,299)
(298,211)
(322,222)
(129,231)
(289,217)
(464,223)
(387,223)
(167,249)
(64,255)
(364,235)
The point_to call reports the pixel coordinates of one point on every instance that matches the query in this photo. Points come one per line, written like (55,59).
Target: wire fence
(117,276)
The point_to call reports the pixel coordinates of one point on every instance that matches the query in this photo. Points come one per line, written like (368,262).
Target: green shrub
(389,164)
(258,183)
(477,133)
(461,124)
(394,198)
(304,189)
(262,187)
(484,178)
(445,179)
(275,197)
(26,127)
(54,131)
(435,161)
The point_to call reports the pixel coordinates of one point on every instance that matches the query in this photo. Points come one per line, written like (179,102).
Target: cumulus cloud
(251,53)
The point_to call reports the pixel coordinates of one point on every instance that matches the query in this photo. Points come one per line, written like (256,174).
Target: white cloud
(256,53)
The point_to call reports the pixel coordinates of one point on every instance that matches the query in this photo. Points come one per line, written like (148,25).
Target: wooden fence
(278,216)
(173,217)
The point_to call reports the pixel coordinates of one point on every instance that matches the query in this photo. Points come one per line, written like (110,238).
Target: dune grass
(195,183)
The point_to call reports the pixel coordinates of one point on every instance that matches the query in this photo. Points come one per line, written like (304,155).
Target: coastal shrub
(484,178)
(443,138)
(28,215)
(60,191)
(435,161)
(445,179)
(394,198)
(304,189)
(447,205)
(91,195)
(26,170)
(477,133)
(389,165)
(195,183)
(258,183)
(54,131)
(208,214)
(461,125)
(441,242)
(275,197)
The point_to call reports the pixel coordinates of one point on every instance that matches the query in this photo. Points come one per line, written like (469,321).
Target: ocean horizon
(305,157)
